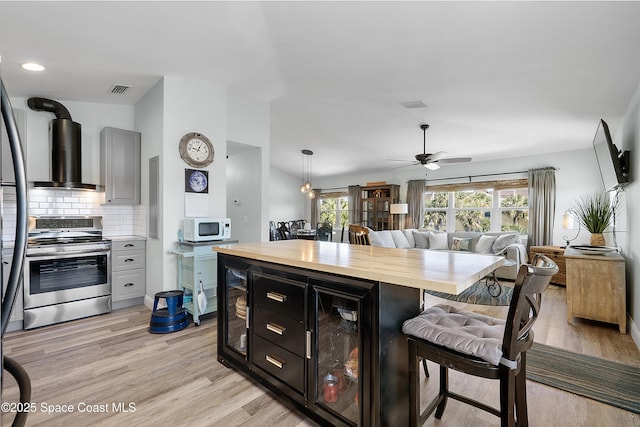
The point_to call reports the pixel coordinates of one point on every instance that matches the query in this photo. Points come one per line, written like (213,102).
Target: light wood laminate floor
(174,379)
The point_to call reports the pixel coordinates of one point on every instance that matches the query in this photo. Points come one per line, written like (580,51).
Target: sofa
(508,244)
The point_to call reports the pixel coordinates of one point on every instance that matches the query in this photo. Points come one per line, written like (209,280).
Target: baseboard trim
(148,301)
(118,305)
(632,329)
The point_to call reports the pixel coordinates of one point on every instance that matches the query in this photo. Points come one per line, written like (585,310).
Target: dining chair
(283,231)
(324,231)
(273,231)
(358,235)
(479,345)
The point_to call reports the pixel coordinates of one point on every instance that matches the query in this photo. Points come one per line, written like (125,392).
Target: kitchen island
(319,323)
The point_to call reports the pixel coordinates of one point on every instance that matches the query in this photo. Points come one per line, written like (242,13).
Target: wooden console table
(596,288)
(556,253)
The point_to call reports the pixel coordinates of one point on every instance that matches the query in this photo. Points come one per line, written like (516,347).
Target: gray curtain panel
(355,202)
(315,208)
(542,206)
(415,200)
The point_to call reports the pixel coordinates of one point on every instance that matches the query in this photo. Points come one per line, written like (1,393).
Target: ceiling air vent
(119,89)
(413,104)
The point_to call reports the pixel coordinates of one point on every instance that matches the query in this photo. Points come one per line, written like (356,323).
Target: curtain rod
(491,174)
(335,188)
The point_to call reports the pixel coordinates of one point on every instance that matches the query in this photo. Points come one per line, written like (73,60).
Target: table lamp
(569,223)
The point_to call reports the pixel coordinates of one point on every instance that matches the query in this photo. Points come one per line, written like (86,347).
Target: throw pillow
(375,239)
(438,241)
(460,244)
(409,235)
(503,241)
(485,243)
(387,240)
(422,239)
(399,239)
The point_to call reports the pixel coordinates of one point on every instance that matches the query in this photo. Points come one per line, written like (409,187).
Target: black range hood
(65,138)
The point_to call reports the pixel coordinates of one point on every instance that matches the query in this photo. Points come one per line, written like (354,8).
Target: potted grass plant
(595,212)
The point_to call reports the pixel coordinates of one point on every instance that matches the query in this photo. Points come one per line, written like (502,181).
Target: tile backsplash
(117,220)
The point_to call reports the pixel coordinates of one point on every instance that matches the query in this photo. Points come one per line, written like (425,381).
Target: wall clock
(196,150)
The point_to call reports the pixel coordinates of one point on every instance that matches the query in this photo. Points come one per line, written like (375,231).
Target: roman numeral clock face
(196,150)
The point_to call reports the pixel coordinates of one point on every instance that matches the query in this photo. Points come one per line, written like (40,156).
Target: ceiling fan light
(32,66)
(432,166)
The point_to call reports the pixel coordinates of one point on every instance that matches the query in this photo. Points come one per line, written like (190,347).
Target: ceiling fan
(432,161)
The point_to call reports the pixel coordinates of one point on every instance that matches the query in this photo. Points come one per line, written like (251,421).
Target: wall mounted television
(613,163)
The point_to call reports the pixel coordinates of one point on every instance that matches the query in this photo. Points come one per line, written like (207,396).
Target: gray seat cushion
(466,332)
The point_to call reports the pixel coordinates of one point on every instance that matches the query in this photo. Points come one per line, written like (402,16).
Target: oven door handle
(72,254)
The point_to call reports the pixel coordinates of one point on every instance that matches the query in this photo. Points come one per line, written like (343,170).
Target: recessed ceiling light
(32,66)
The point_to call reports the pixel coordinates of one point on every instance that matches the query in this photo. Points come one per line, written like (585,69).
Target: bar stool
(481,346)
(170,319)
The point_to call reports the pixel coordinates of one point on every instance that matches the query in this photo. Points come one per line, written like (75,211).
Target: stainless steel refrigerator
(14,281)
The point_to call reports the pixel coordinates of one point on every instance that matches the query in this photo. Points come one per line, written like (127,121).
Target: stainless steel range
(67,273)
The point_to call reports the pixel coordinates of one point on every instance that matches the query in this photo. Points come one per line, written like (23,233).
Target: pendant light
(306,188)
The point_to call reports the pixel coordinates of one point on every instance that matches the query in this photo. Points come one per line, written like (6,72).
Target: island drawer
(279,294)
(280,329)
(280,363)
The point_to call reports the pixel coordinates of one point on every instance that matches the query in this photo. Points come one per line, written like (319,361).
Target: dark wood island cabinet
(329,343)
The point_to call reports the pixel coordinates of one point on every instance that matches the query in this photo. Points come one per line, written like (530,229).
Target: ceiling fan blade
(436,156)
(455,160)
(399,160)
(406,165)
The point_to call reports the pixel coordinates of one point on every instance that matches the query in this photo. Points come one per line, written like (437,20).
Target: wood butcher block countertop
(442,271)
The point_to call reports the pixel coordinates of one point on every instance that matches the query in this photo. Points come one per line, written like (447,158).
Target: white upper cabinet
(120,166)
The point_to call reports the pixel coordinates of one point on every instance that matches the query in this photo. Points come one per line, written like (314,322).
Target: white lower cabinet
(128,275)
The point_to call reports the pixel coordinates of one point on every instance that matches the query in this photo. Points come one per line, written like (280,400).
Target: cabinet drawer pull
(276,328)
(129,245)
(275,362)
(129,260)
(276,296)
(128,285)
(308,345)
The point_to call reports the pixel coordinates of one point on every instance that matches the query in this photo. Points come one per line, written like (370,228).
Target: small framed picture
(196,181)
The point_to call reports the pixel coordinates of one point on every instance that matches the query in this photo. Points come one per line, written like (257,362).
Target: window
(334,209)
(435,214)
(488,206)
(473,210)
(514,210)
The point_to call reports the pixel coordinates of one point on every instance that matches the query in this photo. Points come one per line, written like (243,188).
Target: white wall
(628,138)
(286,203)
(244,202)
(173,108)
(148,114)
(577,173)
(248,175)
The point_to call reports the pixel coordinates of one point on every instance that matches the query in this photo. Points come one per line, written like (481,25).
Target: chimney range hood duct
(65,137)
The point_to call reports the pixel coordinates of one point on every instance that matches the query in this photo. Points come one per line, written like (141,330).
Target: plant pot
(597,239)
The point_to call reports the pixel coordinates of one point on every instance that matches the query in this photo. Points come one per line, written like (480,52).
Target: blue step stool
(170,319)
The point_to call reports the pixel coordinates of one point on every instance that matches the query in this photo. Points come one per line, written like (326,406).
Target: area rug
(598,379)
(478,294)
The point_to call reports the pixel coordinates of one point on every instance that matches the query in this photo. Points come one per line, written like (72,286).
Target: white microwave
(206,229)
